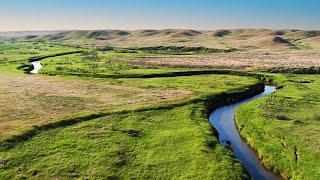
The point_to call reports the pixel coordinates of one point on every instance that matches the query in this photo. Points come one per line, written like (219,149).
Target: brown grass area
(244,39)
(242,61)
(27,100)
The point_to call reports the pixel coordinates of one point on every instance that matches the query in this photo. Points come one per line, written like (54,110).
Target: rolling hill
(264,40)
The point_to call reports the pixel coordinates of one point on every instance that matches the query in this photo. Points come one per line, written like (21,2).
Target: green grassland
(100,114)
(173,143)
(284,127)
(14,54)
(85,127)
(97,63)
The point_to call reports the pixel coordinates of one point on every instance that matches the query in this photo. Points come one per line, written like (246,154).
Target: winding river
(36,67)
(223,121)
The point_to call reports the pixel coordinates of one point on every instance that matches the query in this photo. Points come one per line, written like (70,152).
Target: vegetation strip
(170,50)
(39,58)
(262,77)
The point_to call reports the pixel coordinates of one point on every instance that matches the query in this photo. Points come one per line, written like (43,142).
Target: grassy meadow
(14,54)
(292,148)
(175,143)
(119,127)
(118,112)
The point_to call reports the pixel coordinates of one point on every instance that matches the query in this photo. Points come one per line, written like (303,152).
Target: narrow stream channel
(223,121)
(36,67)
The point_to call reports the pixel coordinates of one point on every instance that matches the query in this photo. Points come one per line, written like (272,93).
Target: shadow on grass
(264,78)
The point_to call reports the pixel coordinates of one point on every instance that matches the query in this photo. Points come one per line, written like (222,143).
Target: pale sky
(22,15)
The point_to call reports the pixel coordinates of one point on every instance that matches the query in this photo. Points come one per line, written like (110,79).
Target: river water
(223,121)
(36,67)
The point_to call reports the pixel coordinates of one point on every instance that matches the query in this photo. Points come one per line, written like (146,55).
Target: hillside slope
(264,40)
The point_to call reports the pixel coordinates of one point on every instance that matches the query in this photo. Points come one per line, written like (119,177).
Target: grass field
(238,61)
(142,112)
(34,100)
(15,54)
(136,127)
(284,127)
(97,63)
(153,144)
(250,49)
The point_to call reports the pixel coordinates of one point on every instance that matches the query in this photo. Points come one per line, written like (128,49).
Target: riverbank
(291,148)
(222,120)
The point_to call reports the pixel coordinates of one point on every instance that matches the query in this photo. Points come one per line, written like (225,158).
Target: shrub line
(261,77)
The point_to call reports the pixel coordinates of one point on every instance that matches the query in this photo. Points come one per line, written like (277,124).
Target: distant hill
(242,39)
(25,34)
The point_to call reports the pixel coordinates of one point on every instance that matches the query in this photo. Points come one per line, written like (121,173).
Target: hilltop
(253,40)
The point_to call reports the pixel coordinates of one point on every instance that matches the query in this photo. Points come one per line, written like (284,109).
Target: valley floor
(104,114)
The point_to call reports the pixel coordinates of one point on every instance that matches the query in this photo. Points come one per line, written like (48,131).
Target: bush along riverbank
(227,98)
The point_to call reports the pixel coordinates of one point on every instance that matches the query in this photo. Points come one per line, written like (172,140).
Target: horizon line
(161,29)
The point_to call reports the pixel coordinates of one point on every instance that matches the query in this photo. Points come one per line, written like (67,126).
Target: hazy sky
(158,14)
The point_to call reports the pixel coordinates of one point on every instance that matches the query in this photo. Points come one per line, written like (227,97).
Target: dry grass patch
(27,100)
(241,61)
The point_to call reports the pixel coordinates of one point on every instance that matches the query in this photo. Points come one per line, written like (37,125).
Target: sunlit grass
(284,127)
